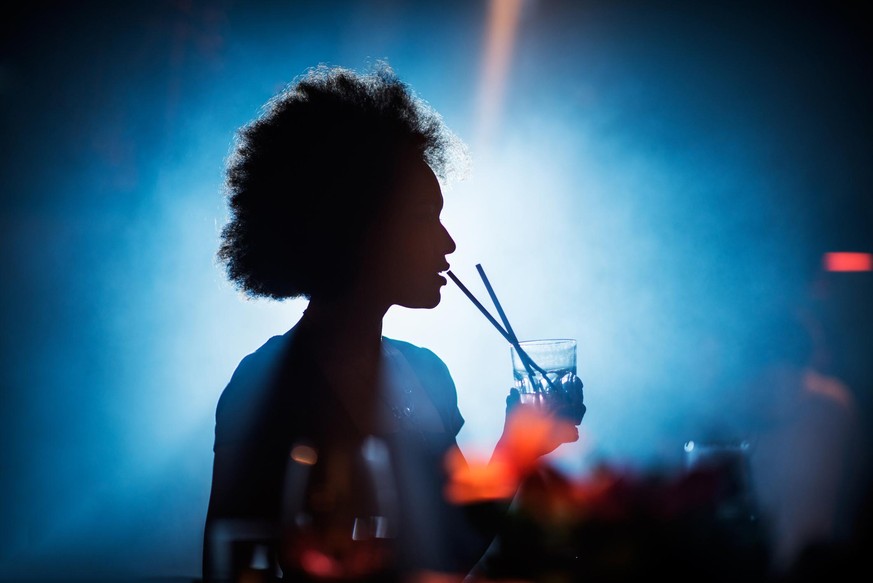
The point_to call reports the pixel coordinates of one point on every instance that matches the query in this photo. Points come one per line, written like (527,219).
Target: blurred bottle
(729,463)
(339,515)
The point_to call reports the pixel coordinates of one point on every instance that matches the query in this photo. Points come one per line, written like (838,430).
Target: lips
(442,270)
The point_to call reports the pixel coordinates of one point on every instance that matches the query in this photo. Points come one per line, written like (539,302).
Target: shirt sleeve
(434,376)
(452,411)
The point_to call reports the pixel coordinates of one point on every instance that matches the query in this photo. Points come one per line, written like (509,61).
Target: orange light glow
(479,480)
(303,454)
(529,434)
(848,261)
(503,17)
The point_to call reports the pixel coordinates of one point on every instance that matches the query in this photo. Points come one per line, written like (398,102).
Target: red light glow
(848,262)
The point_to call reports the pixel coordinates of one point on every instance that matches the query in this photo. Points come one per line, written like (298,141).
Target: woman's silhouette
(334,193)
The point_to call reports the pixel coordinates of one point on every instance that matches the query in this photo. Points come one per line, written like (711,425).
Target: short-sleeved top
(277,399)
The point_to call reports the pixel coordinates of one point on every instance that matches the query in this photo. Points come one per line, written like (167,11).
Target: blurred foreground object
(620,525)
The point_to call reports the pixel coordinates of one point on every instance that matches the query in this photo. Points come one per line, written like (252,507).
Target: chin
(421,305)
(423,301)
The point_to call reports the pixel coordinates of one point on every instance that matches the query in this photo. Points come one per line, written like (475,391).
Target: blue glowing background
(661,176)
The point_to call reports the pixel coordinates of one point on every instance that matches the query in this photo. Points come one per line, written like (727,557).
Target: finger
(579,413)
(573,411)
(577,386)
(513,399)
(566,432)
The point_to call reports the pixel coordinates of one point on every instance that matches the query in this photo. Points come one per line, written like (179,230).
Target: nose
(448,244)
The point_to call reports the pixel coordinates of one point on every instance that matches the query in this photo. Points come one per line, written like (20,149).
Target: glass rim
(543,341)
(549,354)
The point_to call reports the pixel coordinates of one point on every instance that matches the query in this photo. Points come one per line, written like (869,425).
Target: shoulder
(252,388)
(419,357)
(409,348)
(436,379)
(257,367)
(266,355)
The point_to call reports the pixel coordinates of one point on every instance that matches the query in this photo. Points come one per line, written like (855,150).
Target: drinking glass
(338,514)
(554,357)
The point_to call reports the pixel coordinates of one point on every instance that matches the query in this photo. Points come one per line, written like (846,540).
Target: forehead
(417,184)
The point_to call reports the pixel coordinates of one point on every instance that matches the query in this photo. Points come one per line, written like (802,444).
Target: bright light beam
(503,16)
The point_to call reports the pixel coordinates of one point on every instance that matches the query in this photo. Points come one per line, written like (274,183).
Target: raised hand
(568,402)
(535,428)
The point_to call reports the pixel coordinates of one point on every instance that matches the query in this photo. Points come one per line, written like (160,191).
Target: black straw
(497,305)
(502,314)
(511,338)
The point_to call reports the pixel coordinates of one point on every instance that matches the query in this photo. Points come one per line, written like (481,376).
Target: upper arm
(444,392)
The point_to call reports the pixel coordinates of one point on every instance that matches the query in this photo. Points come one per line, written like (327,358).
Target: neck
(346,325)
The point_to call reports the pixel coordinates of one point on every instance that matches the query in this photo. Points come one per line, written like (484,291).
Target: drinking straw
(511,338)
(525,358)
(506,323)
(482,309)
(497,305)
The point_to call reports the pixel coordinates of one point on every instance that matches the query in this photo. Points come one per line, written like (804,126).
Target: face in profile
(409,244)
